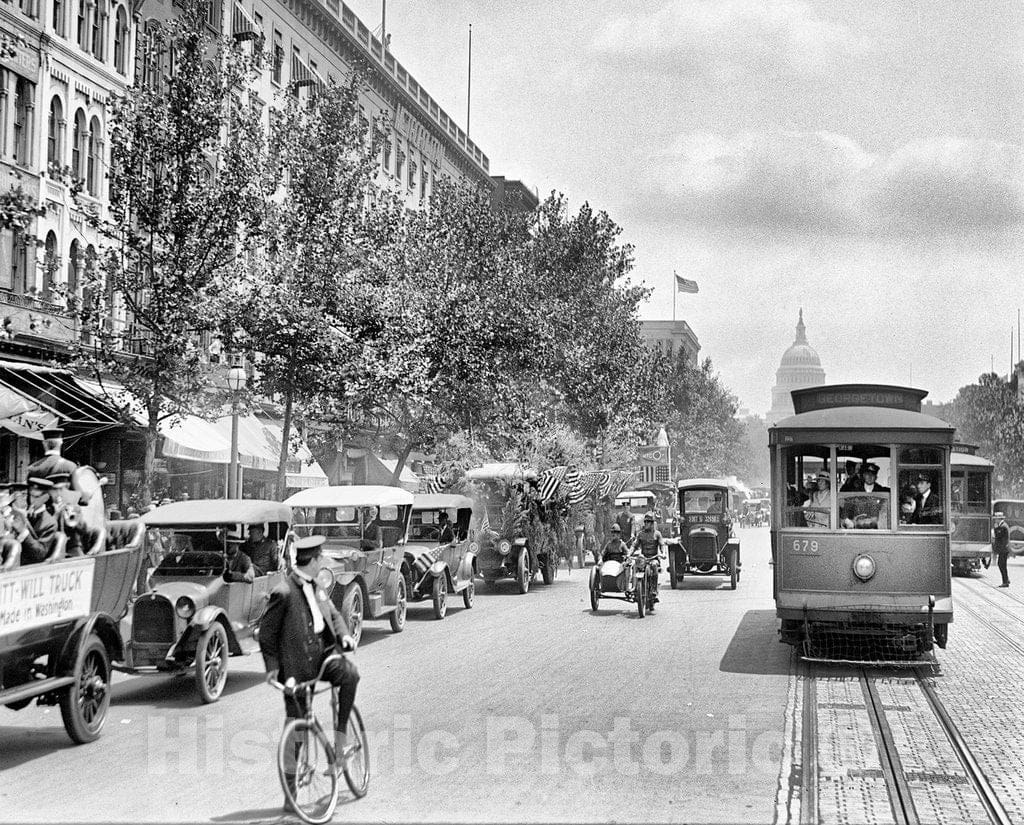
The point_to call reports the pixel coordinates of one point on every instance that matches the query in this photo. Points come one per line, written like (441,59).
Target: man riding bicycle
(299,630)
(651,546)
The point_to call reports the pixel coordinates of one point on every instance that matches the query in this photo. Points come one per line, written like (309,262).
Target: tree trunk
(400,464)
(286,430)
(151,436)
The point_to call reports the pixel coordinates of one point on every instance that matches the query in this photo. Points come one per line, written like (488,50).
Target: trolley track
(884,748)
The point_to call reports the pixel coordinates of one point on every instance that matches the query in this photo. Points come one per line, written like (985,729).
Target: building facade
(671,338)
(800,367)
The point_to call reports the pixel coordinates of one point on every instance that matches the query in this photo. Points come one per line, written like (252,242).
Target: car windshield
(364,527)
(190,552)
(697,501)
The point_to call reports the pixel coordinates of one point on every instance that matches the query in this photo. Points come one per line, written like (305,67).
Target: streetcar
(861,537)
(970,506)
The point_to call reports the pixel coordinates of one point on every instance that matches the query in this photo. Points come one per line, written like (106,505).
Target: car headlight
(863,567)
(325,578)
(504,547)
(185,607)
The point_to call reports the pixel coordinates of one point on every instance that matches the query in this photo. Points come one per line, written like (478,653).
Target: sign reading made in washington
(41,594)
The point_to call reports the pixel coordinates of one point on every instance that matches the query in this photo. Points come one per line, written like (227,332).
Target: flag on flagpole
(684,285)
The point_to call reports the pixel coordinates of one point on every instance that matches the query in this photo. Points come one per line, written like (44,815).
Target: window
(213,15)
(864,497)
(412,171)
(50,264)
(81,23)
(57,16)
(95,160)
(78,147)
(151,48)
(19,260)
(257,48)
(28,7)
(55,133)
(278,68)
(23,105)
(809,485)
(73,263)
(385,153)
(99,29)
(121,40)
(423,178)
(399,161)
(6,259)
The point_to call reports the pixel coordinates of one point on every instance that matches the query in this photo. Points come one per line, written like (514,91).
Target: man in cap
(262,551)
(37,529)
(445,534)
(615,548)
(239,566)
(652,547)
(819,506)
(300,628)
(853,479)
(63,506)
(1001,545)
(927,503)
(52,461)
(624,519)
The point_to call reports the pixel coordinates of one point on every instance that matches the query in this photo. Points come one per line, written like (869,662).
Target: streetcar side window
(977,492)
(809,487)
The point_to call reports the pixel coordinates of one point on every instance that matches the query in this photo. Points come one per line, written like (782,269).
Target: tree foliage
(989,415)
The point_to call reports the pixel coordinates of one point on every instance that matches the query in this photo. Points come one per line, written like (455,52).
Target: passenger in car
(239,565)
(445,533)
(263,552)
(37,529)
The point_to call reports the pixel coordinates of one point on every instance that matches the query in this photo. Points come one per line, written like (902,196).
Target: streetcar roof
(969,460)
(440,501)
(864,418)
(350,495)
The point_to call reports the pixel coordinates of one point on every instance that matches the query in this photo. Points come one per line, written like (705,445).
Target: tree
(989,415)
(302,306)
(184,196)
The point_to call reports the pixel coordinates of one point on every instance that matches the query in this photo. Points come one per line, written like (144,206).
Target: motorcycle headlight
(864,567)
(185,607)
(504,547)
(325,578)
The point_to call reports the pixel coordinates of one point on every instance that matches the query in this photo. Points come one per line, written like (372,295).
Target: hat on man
(307,547)
(617,529)
(53,432)
(923,477)
(59,478)
(44,483)
(649,517)
(823,475)
(870,467)
(998,515)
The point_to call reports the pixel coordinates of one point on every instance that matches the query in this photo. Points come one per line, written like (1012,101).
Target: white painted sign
(42,594)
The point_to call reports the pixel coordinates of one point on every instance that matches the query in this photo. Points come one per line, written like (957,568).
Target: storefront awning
(61,393)
(22,415)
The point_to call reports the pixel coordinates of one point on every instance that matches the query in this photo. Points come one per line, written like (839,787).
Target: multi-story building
(513,194)
(670,338)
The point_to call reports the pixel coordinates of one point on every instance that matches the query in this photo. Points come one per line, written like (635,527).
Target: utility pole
(384,23)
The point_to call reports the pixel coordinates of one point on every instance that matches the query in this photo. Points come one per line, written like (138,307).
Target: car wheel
(732,569)
(673,579)
(83,705)
(212,662)
(468,594)
(352,611)
(439,593)
(523,572)
(397,616)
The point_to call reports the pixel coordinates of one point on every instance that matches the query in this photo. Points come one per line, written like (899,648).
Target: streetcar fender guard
(103,626)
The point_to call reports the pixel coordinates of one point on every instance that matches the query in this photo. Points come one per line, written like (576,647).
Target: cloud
(726,39)
(828,183)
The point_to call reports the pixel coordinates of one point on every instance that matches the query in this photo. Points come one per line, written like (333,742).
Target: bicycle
(312,787)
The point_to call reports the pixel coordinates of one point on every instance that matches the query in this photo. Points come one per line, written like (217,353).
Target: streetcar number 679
(805,546)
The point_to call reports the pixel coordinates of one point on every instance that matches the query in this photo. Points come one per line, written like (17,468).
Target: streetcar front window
(864,494)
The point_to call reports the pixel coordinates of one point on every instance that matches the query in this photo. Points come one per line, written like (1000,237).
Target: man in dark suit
(927,504)
(52,461)
(300,628)
(38,529)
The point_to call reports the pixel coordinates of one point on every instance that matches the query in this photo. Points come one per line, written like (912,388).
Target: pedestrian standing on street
(300,628)
(1001,545)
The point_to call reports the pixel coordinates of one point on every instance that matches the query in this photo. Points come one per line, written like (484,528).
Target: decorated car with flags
(441,555)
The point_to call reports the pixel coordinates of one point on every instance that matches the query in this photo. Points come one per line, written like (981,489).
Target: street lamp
(236,383)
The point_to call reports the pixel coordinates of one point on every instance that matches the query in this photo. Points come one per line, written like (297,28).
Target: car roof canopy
(701,483)
(635,494)
(440,501)
(222,511)
(350,495)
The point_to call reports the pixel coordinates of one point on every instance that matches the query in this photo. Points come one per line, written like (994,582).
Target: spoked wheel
(468,594)
(397,616)
(355,762)
(595,589)
(308,771)
(439,593)
(652,590)
(352,611)
(523,572)
(83,705)
(212,662)
(641,596)
(733,575)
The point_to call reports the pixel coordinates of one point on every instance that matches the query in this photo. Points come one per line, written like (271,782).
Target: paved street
(527,708)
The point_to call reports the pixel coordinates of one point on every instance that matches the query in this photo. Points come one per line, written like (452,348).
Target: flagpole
(675,289)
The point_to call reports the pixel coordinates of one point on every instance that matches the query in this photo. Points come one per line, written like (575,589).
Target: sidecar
(620,580)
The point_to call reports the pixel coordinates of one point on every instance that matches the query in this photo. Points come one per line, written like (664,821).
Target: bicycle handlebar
(291,687)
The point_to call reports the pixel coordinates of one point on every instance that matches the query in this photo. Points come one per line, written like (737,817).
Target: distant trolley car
(861,537)
(970,508)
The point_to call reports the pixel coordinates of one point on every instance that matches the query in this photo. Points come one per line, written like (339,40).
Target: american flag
(485,523)
(683,285)
(547,484)
(437,483)
(425,560)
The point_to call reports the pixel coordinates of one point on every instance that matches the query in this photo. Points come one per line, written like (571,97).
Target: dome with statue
(800,367)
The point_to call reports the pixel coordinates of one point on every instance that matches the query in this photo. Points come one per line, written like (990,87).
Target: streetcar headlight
(185,607)
(863,567)
(504,547)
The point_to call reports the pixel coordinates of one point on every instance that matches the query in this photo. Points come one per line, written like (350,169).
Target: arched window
(99,29)
(121,40)
(94,169)
(55,133)
(50,264)
(78,147)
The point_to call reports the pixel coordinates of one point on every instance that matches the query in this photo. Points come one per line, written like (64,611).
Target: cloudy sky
(857,158)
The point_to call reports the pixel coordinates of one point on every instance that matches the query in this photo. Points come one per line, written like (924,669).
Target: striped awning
(243,27)
(61,393)
(303,75)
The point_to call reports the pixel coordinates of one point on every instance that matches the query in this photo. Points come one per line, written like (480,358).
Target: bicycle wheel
(355,762)
(307,771)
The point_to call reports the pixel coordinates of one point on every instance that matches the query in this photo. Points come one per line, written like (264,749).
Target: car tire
(468,594)
(212,662)
(352,611)
(673,579)
(731,561)
(523,572)
(83,705)
(439,595)
(397,616)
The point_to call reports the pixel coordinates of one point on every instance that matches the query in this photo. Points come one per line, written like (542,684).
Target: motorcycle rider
(652,547)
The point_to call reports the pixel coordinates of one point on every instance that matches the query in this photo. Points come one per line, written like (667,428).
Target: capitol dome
(800,367)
